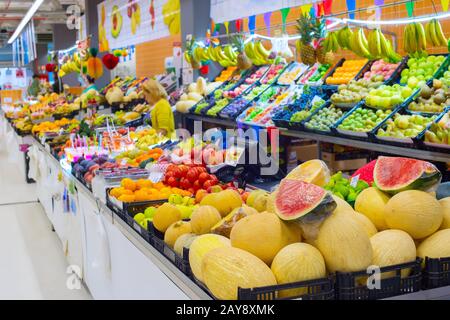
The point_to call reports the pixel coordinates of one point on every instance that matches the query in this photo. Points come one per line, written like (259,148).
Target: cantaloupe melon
(200,247)
(344,244)
(371,203)
(204,218)
(184,241)
(416,212)
(175,230)
(263,235)
(165,215)
(226,269)
(445,203)
(297,262)
(435,246)
(391,247)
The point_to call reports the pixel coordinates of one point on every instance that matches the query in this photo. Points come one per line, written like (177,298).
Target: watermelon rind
(424,180)
(321,209)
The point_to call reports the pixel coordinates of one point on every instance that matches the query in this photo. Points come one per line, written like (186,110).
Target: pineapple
(243,62)
(305,27)
(319,34)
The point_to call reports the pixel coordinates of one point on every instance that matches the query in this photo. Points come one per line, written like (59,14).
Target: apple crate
(431,146)
(436,273)
(348,285)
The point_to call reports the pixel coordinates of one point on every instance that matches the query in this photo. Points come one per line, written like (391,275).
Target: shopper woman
(161,114)
(91,84)
(35,87)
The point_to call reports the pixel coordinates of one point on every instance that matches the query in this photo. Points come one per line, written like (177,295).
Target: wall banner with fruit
(130,22)
(245,8)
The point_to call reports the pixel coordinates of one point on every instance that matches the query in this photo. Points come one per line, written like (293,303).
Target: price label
(354,181)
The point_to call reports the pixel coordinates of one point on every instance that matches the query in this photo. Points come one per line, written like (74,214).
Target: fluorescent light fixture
(392,22)
(25,20)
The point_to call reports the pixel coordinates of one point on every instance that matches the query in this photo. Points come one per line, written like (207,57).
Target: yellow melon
(175,230)
(344,244)
(445,203)
(183,241)
(435,246)
(391,247)
(224,226)
(312,171)
(416,212)
(263,235)
(297,262)
(200,247)
(165,215)
(226,269)
(204,218)
(371,202)
(362,220)
(341,204)
(224,201)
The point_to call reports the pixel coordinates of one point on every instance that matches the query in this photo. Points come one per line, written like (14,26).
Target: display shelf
(395,150)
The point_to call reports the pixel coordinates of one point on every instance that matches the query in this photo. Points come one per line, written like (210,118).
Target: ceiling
(51,12)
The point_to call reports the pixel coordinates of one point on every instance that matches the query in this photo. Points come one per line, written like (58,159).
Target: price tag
(354,181)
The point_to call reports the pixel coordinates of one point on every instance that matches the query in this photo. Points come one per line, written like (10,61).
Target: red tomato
(202,169)
(185,184)
(171,167)
(192,175)
(172,182)
(191,190)
(208,184)
(168,175)
(184,170)
(203,177)
(197,185)
(176,172)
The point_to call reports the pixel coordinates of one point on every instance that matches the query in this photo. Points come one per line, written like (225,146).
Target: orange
(116,192)
(159,185)
(128,184)
(127,198)
(153,191)
(141,195)
(143,183)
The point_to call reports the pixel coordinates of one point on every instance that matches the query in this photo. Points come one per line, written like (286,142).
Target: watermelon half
(397,174)
(296,199)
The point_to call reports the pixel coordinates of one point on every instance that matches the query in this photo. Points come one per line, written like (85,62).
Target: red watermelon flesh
(396,174)
(294,199)
(366,172)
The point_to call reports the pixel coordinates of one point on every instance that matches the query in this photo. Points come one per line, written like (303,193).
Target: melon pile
(302,232)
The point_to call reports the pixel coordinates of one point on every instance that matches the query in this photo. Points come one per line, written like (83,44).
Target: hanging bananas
(331,42)
(435,34)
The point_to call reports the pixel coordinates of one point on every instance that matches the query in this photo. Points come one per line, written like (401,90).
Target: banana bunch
(70,66)
(380,47)
(331,42)
(256,52)
(344,36)
(224,55)
(414,38)
(434,33)
(359,44)
(171,14)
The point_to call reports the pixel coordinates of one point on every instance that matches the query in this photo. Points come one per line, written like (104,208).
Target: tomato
(176,172)
(171,167)
(197,185)
(192,175)
(184,170)
(208,184)
(203,177)
(172,182)
(202,169)
(185,184)
(169,174)
(191,190)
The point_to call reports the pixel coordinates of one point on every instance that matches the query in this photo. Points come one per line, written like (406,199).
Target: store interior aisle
(32,262)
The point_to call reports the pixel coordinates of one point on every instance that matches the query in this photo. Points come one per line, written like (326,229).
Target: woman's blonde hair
(155,90)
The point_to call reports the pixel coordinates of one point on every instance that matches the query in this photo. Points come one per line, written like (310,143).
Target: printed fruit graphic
(171,13)
(297,199)
(435,246)
(165,215)
(297,262)
(445,203)
(226,269)
(134,13)
(184,241)
(263,235)
(204,218)
(175,230)
(312,171)
(391,247)
(344,244)
(117,21)
(371,202)
(225,225)
(416,212)
(396,174)
(200,247)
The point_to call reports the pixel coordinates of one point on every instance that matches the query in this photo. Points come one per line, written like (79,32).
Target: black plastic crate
(347,288)
(144,233)
(436,273)
(130,208)
(320,289)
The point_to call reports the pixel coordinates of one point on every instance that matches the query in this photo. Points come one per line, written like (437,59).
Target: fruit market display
(404,126)
(314,74)
(301,115)
(432,99)
(381,68)
(194,93)
(439,132)
(325,118)
(346,72)
(271,75)
(364,120)
(419,69)
(292,73)
(343,188)
(355,91)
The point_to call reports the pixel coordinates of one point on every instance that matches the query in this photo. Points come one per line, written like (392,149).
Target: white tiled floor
(32,262)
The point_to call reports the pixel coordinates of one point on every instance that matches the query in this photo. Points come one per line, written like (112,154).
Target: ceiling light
(25,20)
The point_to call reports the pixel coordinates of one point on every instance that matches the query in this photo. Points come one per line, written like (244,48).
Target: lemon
(312,171)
